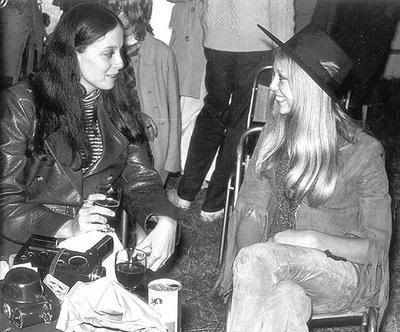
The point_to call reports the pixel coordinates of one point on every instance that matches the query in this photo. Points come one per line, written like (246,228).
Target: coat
(157,85)
(39,197)
(358,207)
(187,44)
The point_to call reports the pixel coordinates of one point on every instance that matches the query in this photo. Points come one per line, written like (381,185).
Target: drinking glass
(130,267)
(112,199)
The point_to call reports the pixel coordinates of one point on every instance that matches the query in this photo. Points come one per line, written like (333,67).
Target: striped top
(92,127)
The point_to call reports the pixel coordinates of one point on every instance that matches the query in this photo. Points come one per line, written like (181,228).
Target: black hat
(309,48)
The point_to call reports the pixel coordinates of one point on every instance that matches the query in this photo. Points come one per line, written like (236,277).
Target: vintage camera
(26,299)
(66,265)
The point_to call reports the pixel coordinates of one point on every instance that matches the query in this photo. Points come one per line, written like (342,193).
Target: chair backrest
(244,151)
(260,96)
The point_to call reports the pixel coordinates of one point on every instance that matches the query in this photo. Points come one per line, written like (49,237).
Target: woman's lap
(329,283)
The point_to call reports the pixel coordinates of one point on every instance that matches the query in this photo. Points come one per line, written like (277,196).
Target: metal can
(163,297)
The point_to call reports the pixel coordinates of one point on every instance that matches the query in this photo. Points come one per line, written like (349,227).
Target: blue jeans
(277,287)
(221,122)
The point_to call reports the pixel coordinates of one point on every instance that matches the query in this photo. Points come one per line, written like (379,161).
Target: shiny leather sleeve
(145,195)
(19,217)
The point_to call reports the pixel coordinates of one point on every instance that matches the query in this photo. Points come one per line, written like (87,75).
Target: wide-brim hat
(312,46)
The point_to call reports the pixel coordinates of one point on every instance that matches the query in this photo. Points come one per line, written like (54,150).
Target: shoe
(177,201)
(211,216)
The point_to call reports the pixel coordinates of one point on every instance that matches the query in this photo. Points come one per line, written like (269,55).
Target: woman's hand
(354,249)
(90,217)
(160,242)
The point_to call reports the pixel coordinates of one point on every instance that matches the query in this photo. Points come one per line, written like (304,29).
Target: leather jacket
(38,196)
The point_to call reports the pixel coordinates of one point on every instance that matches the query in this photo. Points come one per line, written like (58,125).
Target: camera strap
(52,268)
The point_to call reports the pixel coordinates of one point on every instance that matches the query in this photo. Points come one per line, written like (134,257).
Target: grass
(195,266)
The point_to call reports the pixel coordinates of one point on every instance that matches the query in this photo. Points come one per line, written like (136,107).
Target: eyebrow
(111,48)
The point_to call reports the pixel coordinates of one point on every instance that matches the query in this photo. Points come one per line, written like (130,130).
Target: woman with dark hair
(74,126)
(312,226)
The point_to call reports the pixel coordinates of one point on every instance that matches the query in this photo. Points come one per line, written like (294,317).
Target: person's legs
(14,32)
(268,283)
(287,309)
(246,65)
(209,131)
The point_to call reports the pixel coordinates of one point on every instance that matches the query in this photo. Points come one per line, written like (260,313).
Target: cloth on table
(104,305)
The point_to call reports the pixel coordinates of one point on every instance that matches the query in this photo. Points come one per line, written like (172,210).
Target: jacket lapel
(114,143)
(61,151)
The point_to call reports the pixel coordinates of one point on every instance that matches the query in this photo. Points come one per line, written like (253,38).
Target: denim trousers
(277,287)
(220,123)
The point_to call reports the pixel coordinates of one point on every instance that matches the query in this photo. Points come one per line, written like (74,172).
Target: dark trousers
(221,122)
(21,36)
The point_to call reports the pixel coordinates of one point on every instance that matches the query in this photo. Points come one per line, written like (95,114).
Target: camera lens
(17,318)
(78,261)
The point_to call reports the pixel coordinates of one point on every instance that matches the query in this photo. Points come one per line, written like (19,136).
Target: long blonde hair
(312,133)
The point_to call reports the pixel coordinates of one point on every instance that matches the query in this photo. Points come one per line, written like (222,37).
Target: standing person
(313,220)
(152,65)
(74,126)
(22,34)
(187,44)
(234,48)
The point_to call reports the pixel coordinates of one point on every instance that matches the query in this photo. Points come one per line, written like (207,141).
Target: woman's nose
(274,83)
(118,61)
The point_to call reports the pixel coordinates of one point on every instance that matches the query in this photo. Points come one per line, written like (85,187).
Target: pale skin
(353,249)
(99,66)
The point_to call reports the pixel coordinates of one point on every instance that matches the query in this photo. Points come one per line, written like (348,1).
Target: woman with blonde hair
(313,221)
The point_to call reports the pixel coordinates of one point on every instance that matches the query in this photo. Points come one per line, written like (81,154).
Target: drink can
(163,297)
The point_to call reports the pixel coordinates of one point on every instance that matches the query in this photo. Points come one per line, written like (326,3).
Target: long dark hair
(58,92)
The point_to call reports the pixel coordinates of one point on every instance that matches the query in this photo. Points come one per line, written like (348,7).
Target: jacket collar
(113,142)
(113,145)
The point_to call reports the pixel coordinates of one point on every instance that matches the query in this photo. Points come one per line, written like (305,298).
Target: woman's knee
(256,260)
(291,290)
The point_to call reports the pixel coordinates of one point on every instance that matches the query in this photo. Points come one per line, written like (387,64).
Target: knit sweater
(231,25)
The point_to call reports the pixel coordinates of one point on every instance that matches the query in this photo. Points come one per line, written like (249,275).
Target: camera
(68,266)
(26,299)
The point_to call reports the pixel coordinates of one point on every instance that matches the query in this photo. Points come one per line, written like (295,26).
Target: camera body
(26,300)
(68,266)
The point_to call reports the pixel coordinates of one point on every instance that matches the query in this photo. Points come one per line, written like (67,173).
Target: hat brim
(308,69)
